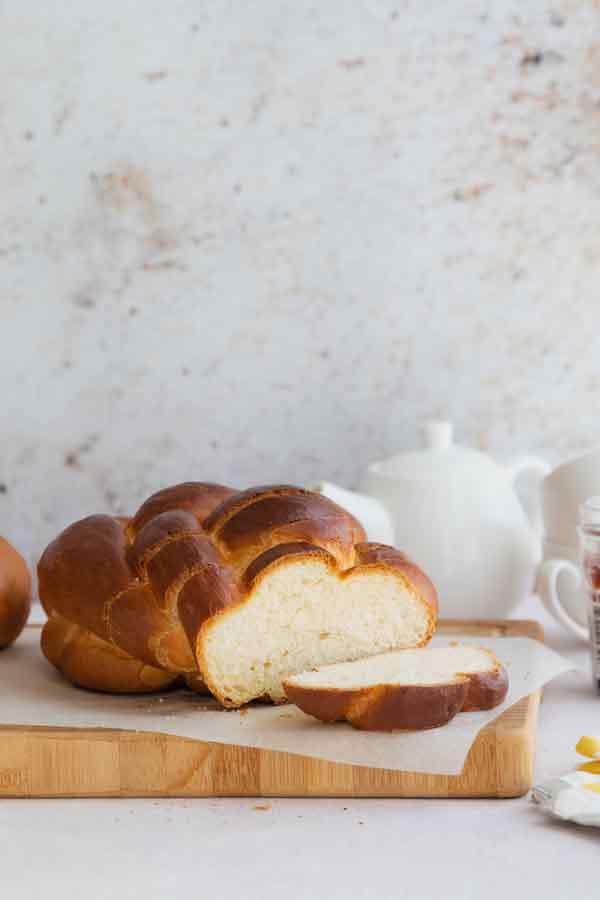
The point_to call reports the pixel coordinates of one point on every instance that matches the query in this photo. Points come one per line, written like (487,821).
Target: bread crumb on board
(263,807)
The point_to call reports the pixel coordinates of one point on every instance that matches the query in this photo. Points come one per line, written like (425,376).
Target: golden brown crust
(261,518)
(208,593)
(167,526)
(175,562)
(89,662)
(240,500)
(486,689)
(198,497)
(132,620)
(389,707)
(383,707)
(83,569)
(15,593)
(119,587)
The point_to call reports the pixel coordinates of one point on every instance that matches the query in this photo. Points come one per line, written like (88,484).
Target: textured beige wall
(253,241)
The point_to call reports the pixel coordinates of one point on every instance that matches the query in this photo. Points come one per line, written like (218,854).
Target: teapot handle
(538,467)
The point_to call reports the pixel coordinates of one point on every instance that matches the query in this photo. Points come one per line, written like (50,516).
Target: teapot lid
(439,455)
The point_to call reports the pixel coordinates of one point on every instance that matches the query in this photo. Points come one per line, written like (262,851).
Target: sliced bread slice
(405,689)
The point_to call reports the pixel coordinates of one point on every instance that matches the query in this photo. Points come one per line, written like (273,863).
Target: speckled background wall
(253,241)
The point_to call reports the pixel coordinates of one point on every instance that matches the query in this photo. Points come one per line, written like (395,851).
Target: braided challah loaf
(234,591)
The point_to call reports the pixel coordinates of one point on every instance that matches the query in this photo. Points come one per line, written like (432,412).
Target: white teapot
(455,512)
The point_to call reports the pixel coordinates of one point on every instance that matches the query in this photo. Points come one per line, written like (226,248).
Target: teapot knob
(438,435)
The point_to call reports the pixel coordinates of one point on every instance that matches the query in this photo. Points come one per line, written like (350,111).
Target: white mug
(561,588)
(559,580)
(563,491)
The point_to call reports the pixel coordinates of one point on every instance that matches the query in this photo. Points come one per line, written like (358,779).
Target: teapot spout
(369,511)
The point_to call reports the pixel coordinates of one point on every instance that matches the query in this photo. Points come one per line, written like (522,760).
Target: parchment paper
(33,693)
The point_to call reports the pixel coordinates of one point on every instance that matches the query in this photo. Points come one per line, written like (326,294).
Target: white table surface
(317,848)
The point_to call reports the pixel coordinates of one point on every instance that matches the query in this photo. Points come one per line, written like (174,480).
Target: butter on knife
(576,795)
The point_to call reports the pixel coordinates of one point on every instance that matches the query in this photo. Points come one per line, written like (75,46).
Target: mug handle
(547,585)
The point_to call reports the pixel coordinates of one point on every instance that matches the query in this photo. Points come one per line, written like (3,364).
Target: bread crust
(91,663)
(383,707)
(260,518)
(486,689)
(200,498)
(120,582)
(15,593)
(397,707)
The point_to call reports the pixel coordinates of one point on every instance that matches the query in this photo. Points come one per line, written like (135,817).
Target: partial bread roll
(228,590)
(406,689)
(15,593)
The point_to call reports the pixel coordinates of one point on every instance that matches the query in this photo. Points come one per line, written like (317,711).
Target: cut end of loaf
(302,612)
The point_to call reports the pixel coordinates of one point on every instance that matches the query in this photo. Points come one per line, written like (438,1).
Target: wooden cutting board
(65,762)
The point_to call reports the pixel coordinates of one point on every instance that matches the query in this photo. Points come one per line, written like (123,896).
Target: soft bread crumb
(422,666)
(302,615)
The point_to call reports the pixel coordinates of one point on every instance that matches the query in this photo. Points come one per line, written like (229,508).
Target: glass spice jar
(589,550)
